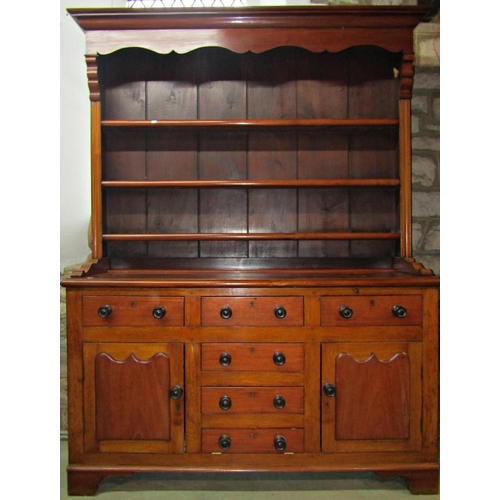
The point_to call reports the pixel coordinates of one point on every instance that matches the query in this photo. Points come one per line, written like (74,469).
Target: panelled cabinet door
(371,398)
(134,398)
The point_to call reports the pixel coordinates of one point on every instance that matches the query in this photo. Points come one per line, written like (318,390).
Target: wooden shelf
(250,183)
(250,124)
(251,236)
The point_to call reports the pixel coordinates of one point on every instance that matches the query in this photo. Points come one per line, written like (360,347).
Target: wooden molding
(332,28)
(95,93)
(406,76)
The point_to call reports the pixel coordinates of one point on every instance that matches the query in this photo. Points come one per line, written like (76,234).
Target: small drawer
(231,400)
(371,310)
(252,440)
(252,311)
(116,310)
(272,357)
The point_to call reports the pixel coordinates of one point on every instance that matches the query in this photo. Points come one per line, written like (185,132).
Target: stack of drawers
(252,394)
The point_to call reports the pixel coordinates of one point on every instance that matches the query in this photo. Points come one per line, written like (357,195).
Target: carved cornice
(98,19)
(313,28)
(406,75)
(95,93)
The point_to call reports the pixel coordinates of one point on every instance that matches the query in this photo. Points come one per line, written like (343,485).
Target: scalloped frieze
(132,358)
(373,357)
(246,40)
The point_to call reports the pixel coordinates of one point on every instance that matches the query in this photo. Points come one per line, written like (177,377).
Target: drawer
(231,400)
(252,440)
(254,357)
(116,310)
(252,311)
(371,310)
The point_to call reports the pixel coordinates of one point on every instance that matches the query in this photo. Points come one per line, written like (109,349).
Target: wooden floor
(261,486)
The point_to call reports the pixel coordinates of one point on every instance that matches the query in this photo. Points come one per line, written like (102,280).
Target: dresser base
(84,480)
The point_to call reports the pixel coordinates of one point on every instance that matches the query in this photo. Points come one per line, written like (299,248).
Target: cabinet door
(371,398)
(134,398)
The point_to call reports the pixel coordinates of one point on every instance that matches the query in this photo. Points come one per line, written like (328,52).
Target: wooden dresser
(252,303)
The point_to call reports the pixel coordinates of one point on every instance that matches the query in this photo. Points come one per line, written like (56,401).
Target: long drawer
(231,400)
(252,357)
(252,440)
(371,310)
(116,310)
(252,311)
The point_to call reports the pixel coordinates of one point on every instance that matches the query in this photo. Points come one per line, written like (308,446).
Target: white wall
(75,132)
(75,135)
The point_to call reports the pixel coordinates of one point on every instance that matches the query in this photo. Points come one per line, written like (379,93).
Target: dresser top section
(316,28)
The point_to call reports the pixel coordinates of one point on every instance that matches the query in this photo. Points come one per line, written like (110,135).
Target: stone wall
(425,159)
(425,146)
(425,167)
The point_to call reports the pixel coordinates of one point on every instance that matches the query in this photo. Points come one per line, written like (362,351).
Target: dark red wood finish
(251,176)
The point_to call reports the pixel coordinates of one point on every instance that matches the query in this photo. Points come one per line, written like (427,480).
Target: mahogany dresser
(252,303)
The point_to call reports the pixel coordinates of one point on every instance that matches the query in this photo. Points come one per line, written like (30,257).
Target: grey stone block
(436,107)
(426,80)
(425,204)
(416,234)
(419,104)
(63,415)
(424,170)
(432,238)
(425,143)
(415,124)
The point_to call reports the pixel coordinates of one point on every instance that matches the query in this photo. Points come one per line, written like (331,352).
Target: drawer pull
(345,312)
(225,359)
(225,403)
(224,442)
(280,443)
(399,311)
(159,312)
(104,311)
(176,392)
(330,390)
(226,312)
(279,402)
(280,312)
(279,359)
